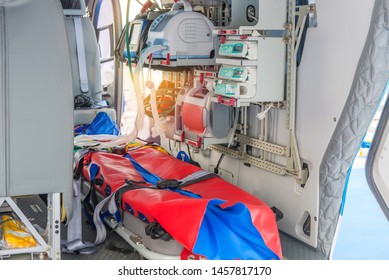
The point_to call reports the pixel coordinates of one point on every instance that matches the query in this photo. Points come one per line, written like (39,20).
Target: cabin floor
(294,249)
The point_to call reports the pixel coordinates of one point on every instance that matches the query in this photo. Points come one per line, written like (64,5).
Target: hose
(165,102)
(138,91)
(159,129)
(128,39)
(110,141)
(234,128)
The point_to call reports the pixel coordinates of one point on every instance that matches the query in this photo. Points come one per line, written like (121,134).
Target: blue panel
(102,124)
(231,224)
(97,13)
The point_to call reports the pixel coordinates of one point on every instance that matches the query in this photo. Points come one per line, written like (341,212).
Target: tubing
(234,128)
(128,39)
(110,141)
(159,129)
(138,91)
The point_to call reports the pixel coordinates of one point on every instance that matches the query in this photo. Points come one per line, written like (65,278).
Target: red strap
(146,6)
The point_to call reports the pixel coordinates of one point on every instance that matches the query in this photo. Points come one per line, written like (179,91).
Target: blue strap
(147,175)
(183,156)
(93,170)
(153,179)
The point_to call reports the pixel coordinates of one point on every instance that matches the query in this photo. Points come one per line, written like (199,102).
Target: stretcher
(205,218)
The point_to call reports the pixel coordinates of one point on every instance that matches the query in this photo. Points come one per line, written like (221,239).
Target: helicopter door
(377,164)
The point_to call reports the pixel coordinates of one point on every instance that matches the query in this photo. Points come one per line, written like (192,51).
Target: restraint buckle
(168,184)
(134,183)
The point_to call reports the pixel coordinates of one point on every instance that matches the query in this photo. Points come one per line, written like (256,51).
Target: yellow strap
(63,210)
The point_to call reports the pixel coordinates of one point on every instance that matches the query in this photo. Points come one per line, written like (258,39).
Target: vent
(195,31)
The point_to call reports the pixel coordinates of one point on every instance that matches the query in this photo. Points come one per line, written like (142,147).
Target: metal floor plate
(294,249)
(35,210)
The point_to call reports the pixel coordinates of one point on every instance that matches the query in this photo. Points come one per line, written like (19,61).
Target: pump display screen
(227,89)
(238,48)
(135,34)
(236,73)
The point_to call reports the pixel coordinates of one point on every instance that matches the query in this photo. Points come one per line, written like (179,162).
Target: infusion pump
(185,34)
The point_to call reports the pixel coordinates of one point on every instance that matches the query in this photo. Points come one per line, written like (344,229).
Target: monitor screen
(136,30)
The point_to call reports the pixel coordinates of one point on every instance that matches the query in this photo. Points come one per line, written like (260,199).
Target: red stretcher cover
(212,218)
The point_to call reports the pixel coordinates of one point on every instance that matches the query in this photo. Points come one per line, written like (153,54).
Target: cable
(236,118)
(253,17)
(138,91)
(166,99)
(158,7)
(235,125)
(216,169)
(170,147)
(263,114)
(128,40)
(189,153)
(159,128)
(8,220)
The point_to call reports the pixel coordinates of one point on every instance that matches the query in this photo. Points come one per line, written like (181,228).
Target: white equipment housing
(186,34)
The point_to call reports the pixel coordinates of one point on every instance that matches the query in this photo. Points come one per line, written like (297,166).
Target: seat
(85,62)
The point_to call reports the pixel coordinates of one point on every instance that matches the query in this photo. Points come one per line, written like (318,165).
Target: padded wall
(366,91)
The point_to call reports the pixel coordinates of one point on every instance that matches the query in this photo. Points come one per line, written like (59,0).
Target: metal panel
(272,14)
(40,99)
(3,71)
(271,70)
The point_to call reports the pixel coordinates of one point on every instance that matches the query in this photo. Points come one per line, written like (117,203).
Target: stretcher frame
(133,239)
(141,236)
